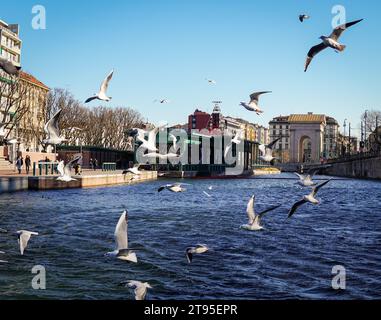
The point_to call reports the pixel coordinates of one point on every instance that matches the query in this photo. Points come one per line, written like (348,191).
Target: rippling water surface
(290,259)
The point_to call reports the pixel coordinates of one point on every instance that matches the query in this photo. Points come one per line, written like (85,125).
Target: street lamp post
(350,142)
(365,131)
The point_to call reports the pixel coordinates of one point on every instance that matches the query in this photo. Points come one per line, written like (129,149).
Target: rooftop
(28,77)
(307,118)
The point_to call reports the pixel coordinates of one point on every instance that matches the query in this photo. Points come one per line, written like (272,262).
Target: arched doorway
(305,149)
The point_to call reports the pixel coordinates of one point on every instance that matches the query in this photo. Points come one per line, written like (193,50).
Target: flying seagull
(253,104)
(9,67)
(309,198)
(162,101)
(52,130)
(149,144)
(122,251)
(3,230)
(254,223)
(134,171)
(65,171)
(140,288)
(305,180)
(303,17)
(102,94)
(329,42)
(23,239)
(211,81)
(267,152)
(176,187)
(198,249)
(235,140)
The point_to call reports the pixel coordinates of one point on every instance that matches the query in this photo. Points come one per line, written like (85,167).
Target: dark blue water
(290,259)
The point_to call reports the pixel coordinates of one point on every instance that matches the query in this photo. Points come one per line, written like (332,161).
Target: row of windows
(10,43)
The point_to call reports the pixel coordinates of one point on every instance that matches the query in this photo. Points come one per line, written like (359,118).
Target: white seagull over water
(254,223)
(140,288)
(253,104)
(308,198)
(235,140)
(134,171)
(176,187)
(267,152)
(3,230)
(198,249)
(65,170)
(23,239)
(305,180)
(149,144)
(9,67)
(52,130)
(329,42)
(102,94)
(122,251)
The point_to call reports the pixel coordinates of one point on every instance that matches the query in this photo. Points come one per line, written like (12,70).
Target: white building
(10,43)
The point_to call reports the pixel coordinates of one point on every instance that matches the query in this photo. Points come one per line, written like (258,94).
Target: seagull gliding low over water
(65,170)
(122,252)
(140,288)
(198,249)
(308,198)
(254,223)
(267,152)
(23,239)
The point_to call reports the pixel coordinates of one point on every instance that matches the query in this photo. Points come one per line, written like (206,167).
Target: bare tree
(14,94)
(100,126)
(371,119)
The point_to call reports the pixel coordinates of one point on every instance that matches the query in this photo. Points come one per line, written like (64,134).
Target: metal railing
(44,168)
(109,166)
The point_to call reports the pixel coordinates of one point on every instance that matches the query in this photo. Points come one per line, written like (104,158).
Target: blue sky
(166,48)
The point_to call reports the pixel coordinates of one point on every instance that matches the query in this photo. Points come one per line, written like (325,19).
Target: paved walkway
(85,172)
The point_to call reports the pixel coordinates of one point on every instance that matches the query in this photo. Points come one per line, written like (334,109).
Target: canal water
(289,259)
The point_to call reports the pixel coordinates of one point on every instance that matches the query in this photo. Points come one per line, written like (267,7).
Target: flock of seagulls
(122,250)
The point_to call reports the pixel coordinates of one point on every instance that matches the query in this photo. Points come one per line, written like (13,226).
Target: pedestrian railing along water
(109,166)
(44,168)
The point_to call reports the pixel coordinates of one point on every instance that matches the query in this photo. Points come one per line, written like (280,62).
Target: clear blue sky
(165,49)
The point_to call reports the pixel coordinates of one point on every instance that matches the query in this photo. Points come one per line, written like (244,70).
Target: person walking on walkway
(91,163)
(27,164)
(95,164)
(19,163)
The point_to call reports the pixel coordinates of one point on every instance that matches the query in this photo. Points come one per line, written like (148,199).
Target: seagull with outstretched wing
(122,251)
(267,152)
(9,67)
(52,130)
(311,198)
(102,94)
(252,105)
(65,170)
(329,42)
(254,223)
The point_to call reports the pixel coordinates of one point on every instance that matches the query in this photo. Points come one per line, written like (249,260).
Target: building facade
(305,137)
(10,43)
